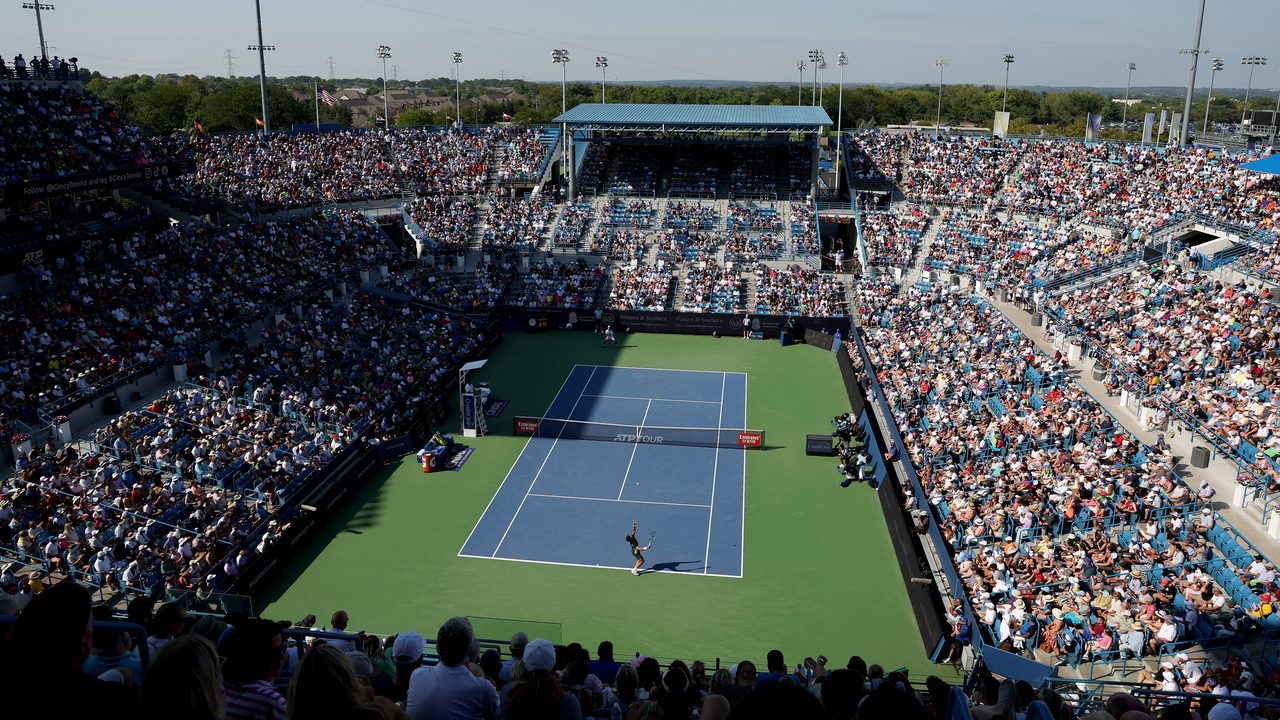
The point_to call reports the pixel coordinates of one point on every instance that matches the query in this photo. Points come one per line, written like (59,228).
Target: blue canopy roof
(788,118)
(1269,165)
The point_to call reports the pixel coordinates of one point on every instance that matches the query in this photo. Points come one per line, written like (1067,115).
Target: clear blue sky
(1081,42)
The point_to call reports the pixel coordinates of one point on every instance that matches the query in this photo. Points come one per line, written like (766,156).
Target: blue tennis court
(571,501)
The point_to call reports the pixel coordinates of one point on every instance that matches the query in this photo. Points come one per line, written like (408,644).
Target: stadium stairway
(916,270)
(593,225)
(158,206)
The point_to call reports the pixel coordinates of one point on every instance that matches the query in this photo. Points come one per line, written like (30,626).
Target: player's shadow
(674,565)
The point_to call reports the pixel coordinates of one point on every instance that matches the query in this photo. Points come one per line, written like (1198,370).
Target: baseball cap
(361,663)
(408,647)
(539,654)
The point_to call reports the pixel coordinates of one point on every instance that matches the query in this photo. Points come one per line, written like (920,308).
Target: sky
(1058,42)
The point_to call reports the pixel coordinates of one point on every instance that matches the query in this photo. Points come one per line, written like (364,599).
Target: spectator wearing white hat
(449,690)
(539,695)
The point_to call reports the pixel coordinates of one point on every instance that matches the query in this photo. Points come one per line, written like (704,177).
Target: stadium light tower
(561,58)
(800,86)
(1195,53)
(602,62)
(262,68)
(1252,61)
(457,76)
(822,65)
(841,60)
(1213,72)
(44,49)
(937,124)
(1191,80)
(1124,114)
(815,58)
(1008,60)
(384,52)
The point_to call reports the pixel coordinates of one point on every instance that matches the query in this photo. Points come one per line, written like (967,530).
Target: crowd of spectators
(1060,178)
(804,228)
(691,216)
(799,291)
(892,239)
(1070,536)
(283,170)
(552,284)
(477,291)
(753,173)
(628,213)
(640,286)
(522,156)
(1204,349)
(695,172)
(93,320)
(236,667)
(574,219)
(753,217)
(517,224)
(957,170)
(446,223)
(49,132)
(635,172)
(710,287)
(749,248)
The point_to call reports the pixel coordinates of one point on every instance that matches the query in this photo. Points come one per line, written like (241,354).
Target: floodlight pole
(800,85)
(841,60)
(1124,114)
(262,68)
(37,6)
(560,57)
(815,57)
(1008,60)
(457,76)
(1213,72)
(937,123)
(1191,79)
(1252,61)
(602,62)
(384,52)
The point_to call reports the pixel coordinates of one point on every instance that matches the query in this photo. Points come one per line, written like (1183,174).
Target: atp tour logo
(632,438)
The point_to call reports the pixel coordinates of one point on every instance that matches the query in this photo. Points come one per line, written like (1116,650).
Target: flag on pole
(1148,121)
(326,98)
(258,121)
(198,127)
(506,117)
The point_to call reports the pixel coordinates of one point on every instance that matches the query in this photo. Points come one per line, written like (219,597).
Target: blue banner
(468,411)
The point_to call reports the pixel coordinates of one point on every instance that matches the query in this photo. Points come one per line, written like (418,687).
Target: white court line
(630,397)
(600,567)
(715,468)
(544,464)
(668,369)
(517,462)
(637,502)
(742,542)
(633,450)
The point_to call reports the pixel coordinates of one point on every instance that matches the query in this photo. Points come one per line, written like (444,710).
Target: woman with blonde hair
(325,687)
(184,680)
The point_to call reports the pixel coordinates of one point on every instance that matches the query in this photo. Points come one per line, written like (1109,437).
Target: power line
(231,63)
(330,67)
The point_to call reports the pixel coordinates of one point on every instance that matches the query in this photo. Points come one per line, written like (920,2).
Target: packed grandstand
(296,341)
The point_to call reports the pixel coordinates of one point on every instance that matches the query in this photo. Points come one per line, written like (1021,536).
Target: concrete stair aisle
(499,155)
(483,210)
(917,268)
(593,225)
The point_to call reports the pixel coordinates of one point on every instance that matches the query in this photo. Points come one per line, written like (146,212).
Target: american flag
(326,98)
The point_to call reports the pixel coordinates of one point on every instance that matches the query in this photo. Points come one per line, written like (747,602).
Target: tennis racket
(652,534)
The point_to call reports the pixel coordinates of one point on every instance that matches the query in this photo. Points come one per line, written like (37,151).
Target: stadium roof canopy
(1269,165)
(773,119)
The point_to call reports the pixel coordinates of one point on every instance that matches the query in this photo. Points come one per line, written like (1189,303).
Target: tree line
(169,103)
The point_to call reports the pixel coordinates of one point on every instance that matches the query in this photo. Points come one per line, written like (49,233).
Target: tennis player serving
(636,550)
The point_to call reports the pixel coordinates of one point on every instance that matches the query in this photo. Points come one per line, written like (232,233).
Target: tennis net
(642,434)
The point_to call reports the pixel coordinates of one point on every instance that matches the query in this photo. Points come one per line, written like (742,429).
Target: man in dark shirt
(53,637)
(605,667)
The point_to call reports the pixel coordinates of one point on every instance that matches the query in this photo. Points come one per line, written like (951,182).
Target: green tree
(237,108)
(164,108)
(418,116)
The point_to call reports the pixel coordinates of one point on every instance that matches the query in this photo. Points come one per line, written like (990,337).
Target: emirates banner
(1093,127)
(1175,128)
(1147,123)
